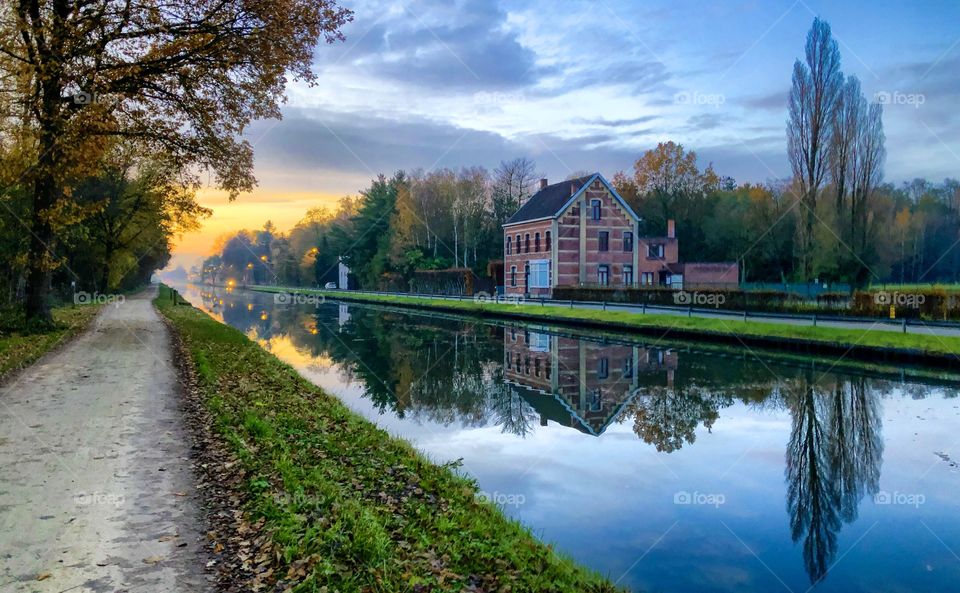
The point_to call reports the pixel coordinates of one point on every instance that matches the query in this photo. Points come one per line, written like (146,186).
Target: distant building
(343,275)
(582,233)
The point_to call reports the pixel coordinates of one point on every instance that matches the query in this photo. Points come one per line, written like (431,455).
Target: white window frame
(539,342)
(539,273)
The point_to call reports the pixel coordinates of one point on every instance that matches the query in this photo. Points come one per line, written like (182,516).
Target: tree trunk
(42,239)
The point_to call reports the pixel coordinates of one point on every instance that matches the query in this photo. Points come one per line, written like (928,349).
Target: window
(628,368)
(603,275)
(595,209)
(526,243)
(538,342)
(536,367)
(519,247)
(627,241)
(628,275)
(548,240)
(509,246)
(604,240)
(655,251)
(604,371)
(539,273)
(646,279)
(536,242)
(513,275)
(596,402)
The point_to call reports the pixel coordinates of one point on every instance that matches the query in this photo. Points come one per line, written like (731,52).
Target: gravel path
(97,492)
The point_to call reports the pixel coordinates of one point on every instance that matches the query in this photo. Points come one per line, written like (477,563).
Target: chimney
(543,183)
(671,229)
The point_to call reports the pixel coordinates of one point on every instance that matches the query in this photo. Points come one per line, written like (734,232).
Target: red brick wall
(519,259)
(711,275)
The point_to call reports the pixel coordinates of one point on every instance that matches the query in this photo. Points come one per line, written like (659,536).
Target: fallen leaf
(44,576)
(153,560)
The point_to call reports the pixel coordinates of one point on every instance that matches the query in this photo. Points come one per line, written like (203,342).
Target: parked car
(330,285)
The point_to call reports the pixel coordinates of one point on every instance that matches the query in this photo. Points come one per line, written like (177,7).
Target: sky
(588,85)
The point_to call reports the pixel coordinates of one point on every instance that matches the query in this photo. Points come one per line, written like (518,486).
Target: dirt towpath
(96,487)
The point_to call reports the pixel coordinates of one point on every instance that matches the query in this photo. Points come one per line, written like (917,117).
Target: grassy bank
(346,506)
(19,348)
(852,342)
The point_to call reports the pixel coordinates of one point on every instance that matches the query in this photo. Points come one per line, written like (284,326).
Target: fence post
(814,320)
(689,311)
(571,303)
(604,305)
(744,315)
(904,325)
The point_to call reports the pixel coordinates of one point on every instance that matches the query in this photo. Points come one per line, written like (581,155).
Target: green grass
(357,509)
(876,338)
(19,348)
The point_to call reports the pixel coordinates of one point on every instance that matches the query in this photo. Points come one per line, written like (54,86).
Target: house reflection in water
(580,383)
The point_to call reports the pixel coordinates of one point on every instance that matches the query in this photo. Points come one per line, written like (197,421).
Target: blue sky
(590,86)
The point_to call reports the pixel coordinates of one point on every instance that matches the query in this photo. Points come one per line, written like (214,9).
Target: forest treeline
(451,219)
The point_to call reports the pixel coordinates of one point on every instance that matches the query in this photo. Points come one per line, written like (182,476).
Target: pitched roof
(549,200)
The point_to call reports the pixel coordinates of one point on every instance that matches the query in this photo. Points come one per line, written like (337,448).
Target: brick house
(582,233)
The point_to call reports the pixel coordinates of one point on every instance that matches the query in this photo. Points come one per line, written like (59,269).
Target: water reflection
(833,461)
(524,379)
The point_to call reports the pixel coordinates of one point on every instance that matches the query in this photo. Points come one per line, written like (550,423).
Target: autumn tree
(667,183)
(814,90)
(182,77)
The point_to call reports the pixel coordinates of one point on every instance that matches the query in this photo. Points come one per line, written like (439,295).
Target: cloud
(435,44)
(776,101)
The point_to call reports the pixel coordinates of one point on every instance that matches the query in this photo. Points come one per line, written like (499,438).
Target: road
(97,492)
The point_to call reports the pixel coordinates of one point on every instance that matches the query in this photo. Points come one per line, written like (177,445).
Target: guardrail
(812,318)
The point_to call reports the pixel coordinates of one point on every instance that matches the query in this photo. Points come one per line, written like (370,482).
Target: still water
(665,466)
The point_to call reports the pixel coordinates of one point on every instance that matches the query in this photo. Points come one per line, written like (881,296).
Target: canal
(665,466)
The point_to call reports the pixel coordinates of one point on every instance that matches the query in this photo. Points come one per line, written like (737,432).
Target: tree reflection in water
(668,418)
(833,460)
